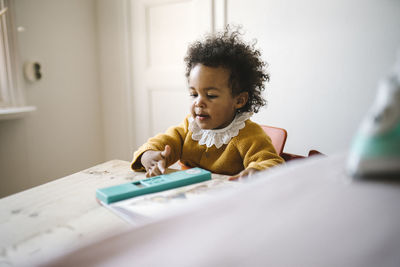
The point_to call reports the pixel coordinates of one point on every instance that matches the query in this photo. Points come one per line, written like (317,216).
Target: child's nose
(200,101)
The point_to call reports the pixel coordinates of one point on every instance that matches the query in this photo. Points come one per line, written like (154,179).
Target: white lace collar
(218,137)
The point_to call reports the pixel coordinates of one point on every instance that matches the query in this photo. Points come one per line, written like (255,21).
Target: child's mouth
(202,117)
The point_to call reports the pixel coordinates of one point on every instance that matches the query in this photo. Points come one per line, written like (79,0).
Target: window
(10,92)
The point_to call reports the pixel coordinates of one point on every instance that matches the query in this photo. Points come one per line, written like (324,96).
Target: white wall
(65,134)
(325,59)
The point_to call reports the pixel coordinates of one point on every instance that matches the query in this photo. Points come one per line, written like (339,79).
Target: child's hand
(245,173)
(155,161)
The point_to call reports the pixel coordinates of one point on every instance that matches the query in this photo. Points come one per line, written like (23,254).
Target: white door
(161,31)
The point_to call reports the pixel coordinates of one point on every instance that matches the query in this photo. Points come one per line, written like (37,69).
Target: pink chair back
(278,137)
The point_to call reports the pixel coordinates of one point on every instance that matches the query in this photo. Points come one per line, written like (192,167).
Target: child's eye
(212,96)
(193,95)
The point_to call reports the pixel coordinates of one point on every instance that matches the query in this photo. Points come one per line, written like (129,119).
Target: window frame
(10,90)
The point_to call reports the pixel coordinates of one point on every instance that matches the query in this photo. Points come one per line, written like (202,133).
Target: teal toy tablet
(152,185)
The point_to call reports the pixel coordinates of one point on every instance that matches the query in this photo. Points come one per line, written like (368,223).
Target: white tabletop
(51,220)
(309,213)
(54,218)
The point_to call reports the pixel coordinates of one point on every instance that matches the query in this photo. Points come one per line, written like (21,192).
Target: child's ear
(241,100)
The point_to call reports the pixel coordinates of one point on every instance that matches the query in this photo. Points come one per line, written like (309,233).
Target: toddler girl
(225,80)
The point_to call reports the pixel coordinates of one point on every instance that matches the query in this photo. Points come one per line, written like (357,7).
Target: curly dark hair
(247,69)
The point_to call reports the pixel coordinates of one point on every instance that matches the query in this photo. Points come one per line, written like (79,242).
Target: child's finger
(241,175)
(234,178)
(166,152)
(153,171)
(161,166)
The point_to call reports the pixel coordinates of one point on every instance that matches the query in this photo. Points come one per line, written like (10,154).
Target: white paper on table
(143,209)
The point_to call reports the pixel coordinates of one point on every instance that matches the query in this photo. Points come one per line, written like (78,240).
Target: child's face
(213,106)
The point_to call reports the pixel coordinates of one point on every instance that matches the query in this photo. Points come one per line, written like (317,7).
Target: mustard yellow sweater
(251,148)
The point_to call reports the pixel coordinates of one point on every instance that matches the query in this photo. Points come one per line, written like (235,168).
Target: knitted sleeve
(174,137)
(256,148)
